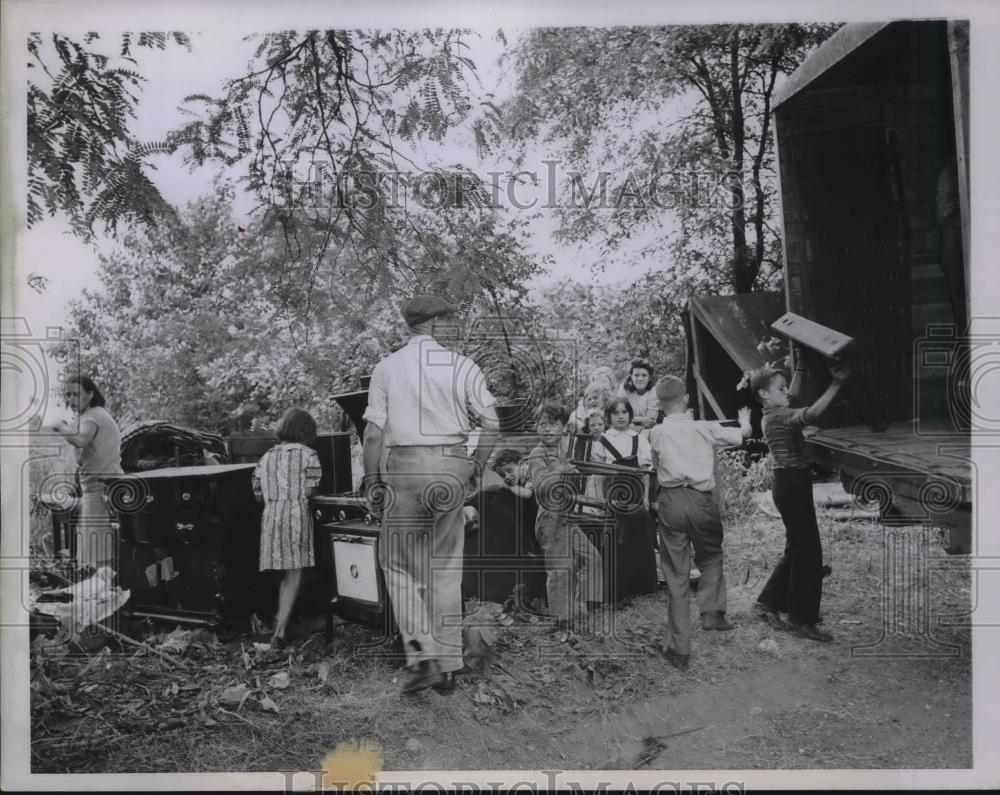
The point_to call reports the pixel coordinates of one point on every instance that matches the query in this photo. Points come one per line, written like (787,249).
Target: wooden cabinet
(189,541)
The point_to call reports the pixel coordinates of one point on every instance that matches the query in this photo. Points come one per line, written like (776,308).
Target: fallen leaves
(80,703)
(267,704)
(479,634)
(235,695)
(279,681)
(769,646)
(177,641)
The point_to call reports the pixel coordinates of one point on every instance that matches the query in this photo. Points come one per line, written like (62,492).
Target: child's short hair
(612,404)
(553,412)
(596,388)
(762,378)
(296,425)
(669,388)
(504,458)
(598,413)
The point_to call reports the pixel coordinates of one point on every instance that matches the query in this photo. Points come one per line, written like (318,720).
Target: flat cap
(424,307)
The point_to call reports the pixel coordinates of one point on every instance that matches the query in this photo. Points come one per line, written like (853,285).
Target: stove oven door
(350,557)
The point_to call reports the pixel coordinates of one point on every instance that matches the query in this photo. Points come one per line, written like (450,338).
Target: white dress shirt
(423,393)
(685,450)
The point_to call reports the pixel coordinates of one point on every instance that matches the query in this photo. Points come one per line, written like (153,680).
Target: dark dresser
(189,540)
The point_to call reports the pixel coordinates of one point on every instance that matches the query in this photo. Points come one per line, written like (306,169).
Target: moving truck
(872,135)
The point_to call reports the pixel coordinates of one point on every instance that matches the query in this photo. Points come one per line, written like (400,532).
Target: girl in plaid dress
(285,478)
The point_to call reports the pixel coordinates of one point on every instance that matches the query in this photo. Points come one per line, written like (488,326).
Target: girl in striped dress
(285,478)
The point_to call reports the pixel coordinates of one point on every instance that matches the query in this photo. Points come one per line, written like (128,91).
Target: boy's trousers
(796,584)
(569,558)
(687,517)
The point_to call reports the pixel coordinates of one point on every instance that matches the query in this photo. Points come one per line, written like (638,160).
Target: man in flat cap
(417,475)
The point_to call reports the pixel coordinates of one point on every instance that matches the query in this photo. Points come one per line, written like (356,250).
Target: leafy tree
(344,109)
(604,96)
(612,324)
(213,325)
(82,158)
(356,101)
(344,240)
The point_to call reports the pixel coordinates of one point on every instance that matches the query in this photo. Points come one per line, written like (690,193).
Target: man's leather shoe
(447,685)
(680,661)
(428,674)
(716,621)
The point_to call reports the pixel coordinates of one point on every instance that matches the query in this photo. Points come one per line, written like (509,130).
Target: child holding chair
(683,451)
(583,450)
(575,577)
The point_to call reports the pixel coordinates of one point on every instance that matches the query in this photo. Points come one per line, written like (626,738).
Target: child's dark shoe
(810,632)
(717,622)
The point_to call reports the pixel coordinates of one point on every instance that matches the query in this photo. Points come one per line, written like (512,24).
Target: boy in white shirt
(683,452)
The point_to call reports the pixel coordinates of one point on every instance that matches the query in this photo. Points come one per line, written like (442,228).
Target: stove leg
(329,620)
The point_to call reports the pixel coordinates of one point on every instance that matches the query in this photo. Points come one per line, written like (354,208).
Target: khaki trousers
(688,517)
(421,546)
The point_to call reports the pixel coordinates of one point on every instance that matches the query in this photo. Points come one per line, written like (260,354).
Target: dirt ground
(892,691)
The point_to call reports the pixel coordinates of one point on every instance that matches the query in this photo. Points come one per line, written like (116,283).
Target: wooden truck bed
(928,474)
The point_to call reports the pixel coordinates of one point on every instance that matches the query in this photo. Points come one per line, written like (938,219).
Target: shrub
(739,476)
